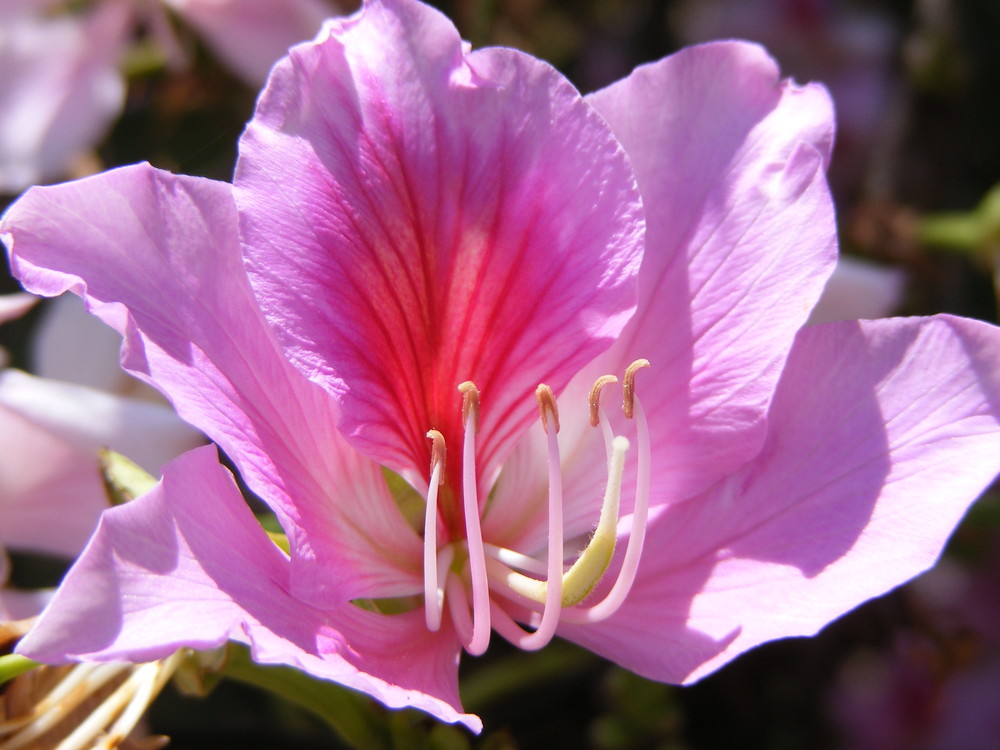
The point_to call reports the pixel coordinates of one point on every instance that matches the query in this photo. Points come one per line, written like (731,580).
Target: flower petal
(60,87)
(188,565)
(740,240)
(251,37)
(50,434)
(13,306)
(859,289)
(416,216)
(156,257)
(881,435)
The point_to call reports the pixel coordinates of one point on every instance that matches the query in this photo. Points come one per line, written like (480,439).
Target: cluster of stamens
(548,590)
(92,706)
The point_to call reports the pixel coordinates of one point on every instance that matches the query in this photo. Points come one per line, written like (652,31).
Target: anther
(628,386)
(595,397)
(547,406)
(470,403)
(437,453)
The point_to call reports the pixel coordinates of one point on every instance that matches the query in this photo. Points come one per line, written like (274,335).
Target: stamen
(595,397)
(514,559)
(637,536)
(628,387)
(597,415)
(546,629)
(470,403)
(433,602)
(140,702)
(480,637)
(82,681)
(547,406)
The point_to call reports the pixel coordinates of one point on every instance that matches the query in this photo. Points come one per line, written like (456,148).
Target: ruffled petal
(881,435)
(416,216)
(188,565)
(730,161)
(156,256)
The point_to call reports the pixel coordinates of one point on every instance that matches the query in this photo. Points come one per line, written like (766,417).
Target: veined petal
(156,256)
(416,216)
(730,161)
(881,435)
(188,565)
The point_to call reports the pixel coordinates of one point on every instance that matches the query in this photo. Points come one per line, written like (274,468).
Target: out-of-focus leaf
(351,715)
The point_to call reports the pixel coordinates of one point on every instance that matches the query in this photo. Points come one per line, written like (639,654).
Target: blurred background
(916,179)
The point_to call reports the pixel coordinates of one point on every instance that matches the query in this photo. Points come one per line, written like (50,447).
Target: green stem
(350,714)
(13,665)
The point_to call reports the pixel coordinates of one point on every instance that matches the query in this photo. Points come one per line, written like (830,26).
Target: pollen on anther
(470,403)
(628,386)
(547,406)
(437,452)
(595,397)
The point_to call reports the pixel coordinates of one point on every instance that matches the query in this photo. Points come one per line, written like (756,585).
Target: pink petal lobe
(188,565)
(156,256)
(881,435)
(416,216)
(730,162)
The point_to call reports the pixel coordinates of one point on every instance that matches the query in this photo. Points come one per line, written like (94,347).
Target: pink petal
(859,289)
(50,434)
(70,344)
(251,37)
(740,240)
(188,565)
(881,435)
(416,216)
(60,87)
(13,306)
(156,256)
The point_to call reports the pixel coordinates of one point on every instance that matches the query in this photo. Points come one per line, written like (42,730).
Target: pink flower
(417,238)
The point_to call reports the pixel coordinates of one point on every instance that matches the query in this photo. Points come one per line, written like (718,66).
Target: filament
(480,637)
(433,602)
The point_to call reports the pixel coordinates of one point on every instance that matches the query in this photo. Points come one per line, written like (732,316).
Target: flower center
(483,584)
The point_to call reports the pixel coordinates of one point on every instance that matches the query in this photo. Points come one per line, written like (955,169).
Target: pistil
(464,574)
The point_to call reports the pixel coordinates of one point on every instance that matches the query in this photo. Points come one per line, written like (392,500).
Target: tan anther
(470,403)
(595,396)
(628,387)
(547,406)
(437,451)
